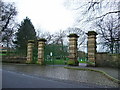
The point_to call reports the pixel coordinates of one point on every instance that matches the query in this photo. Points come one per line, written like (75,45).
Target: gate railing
(56,54)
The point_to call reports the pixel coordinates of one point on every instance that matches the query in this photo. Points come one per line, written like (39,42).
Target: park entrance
(56,54)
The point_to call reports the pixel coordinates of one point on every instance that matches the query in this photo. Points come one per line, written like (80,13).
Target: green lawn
(82,62)
(2,54)
(61,61)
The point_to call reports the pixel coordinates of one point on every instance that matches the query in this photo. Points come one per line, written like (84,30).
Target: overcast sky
(48,15)
(51,15)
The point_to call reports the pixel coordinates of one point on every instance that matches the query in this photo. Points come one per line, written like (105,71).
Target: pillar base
(40,63)
(28,62)
(73,63)
(89,64)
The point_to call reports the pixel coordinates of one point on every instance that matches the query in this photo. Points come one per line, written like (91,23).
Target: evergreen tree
(25,32)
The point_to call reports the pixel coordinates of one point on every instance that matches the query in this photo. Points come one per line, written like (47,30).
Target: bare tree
(110,34)
(7,24)
(47,35)
(59,37)
(92,11)
(7,12)
(80,33)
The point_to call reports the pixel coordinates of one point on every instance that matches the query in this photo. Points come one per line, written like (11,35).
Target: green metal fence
(14,52)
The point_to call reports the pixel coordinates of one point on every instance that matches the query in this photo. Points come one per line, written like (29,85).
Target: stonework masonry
(41,45)
(73,48)
(104,59)
(30,51)
(91,48)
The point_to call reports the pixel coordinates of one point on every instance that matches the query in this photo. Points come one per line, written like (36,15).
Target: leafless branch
(108,13)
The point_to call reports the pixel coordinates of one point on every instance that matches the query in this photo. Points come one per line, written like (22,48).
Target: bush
(70,62)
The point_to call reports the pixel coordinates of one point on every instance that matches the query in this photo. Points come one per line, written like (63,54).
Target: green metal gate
(56,54)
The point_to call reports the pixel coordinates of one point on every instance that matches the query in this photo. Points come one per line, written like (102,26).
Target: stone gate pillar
(91,48)
(30,51)
(41,45)
(73,50)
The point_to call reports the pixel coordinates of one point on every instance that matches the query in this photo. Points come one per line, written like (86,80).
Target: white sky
(48,15)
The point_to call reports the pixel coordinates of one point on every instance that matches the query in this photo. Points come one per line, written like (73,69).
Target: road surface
(18,80)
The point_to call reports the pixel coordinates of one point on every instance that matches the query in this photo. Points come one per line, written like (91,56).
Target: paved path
(114,72)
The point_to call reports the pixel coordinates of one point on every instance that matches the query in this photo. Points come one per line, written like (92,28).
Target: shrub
(70,62)
(90,64)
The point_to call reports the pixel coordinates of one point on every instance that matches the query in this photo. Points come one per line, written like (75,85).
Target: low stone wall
(108,60)
(14,59)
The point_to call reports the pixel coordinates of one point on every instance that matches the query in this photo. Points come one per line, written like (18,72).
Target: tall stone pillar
(73,50)
(41,45)
(30,51)
(91,48)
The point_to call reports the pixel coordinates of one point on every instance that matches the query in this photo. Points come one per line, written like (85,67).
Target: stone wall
(108,60)
(14,59)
